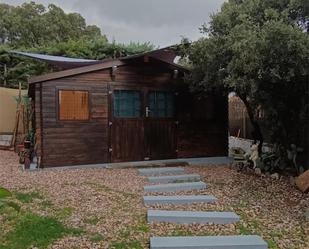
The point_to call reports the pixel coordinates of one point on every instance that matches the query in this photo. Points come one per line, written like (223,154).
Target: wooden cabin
(129,109)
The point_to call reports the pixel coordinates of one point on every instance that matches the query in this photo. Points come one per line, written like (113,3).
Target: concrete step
(179,199)
(209,242)
(173,187)
(189,217)
(174,178)
(160,171)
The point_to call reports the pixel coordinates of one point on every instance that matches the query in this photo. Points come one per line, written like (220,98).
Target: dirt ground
(106,204)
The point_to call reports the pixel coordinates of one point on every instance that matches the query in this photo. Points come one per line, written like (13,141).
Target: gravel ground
(108,203)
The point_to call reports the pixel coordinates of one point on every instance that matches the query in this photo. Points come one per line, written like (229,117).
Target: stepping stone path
(208,242)
(179,199)
(160,171)
(169,184)
(174,178)
(173,187)
(190,217)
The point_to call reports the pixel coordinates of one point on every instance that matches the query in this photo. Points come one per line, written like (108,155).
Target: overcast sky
(162,22)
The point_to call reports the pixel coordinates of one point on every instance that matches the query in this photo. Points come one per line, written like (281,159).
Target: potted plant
(28,139)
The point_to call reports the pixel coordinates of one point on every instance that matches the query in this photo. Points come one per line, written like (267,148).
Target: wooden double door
(142,124)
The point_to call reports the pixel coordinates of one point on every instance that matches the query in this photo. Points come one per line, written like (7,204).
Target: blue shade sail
(161,104)
(127,104)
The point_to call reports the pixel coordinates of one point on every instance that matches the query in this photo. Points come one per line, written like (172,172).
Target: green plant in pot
(28,139)
(25,155)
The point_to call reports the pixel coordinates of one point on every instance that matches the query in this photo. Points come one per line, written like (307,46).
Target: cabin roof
(46,57)
(63,62)
(164,56)
(96,67)
(58,61)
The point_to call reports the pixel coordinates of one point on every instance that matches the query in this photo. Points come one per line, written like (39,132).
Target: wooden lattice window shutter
(73,105)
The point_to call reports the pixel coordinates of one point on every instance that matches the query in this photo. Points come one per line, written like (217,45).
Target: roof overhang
(75,71)
(100,66)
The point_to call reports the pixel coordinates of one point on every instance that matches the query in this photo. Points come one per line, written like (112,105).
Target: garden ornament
(254,154)
(292,155)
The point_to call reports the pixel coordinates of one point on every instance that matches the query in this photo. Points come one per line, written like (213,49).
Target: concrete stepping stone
(173,187)
(209,242)
(179,199)
(160,171)
(189,217)
(174,178)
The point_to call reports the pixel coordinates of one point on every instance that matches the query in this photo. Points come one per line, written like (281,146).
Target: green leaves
(4,202)
(35,231)
(32,25)
(260,50)
(13,205)
(34,28)
(4,193)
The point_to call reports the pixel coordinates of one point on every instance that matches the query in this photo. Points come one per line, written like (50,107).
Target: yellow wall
(8,108)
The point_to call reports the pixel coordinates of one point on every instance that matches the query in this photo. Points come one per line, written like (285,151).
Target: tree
(32,25)
(14,69)
(259,49)
(33,28)
(96,48)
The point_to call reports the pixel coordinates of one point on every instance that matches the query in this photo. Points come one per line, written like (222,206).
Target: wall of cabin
(75,142)
(86,142)
(37,120)
(63,143)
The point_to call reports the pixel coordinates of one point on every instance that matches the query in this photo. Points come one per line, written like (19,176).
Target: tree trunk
(257,129)
(5,74)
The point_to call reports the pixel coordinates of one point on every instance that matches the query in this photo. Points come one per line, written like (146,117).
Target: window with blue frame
(161,104)
(127,104)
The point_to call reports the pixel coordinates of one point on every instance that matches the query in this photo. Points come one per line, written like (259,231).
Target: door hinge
(110,150)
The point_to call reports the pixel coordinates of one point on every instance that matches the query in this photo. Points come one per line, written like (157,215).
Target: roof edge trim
(91,68)
(74,71)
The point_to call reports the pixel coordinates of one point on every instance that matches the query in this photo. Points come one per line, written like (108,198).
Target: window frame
(73,90)
(124,88)
(166,91)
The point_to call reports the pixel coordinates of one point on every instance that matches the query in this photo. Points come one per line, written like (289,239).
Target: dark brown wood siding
(88,141)
(203,125)
(76,142)
(38,117)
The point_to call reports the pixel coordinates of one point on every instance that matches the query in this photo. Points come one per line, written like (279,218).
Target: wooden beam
(146,58)
(76,71)
(113,72)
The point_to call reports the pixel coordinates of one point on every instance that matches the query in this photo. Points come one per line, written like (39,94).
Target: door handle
(147,111)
